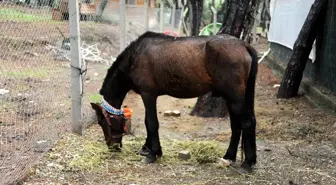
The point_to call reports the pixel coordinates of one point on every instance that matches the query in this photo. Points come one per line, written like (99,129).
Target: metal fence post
(214,11)
(76,68)
(180,29)
(122,22)
(146,16)
(254,28)
(173,18)
(161,16)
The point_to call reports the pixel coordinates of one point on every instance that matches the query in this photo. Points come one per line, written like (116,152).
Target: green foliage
(207,13)
(17,15)
(56,3)
(25,73)
(95,97)
(209,29)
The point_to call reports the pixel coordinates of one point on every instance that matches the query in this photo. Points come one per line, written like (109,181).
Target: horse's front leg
(145,149)
(152,128)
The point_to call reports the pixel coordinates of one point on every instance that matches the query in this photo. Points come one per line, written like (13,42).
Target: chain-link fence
(103,40)
(35,82)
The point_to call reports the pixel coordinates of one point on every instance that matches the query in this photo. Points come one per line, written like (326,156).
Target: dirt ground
(35,71)
(295,141)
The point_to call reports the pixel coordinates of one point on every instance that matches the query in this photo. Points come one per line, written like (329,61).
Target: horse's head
(113,125)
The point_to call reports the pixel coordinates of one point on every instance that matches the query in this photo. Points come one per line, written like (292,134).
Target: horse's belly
(184,84)
(188,91)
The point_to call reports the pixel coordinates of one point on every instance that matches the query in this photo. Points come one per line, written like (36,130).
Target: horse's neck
(114,101)
(116,95)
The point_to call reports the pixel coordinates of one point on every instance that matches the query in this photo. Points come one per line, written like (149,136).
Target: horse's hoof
(114,148)
(149,159)
(246,167)
(225,162)
(143,152)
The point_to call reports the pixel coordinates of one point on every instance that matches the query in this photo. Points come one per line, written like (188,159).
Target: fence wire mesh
(34,85)
(101,42)
(35,99)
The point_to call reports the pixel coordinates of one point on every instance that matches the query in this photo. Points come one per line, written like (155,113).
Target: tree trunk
(233,22)
(196,7)
(294,72)
(250,20)
(187,22)
(265,15)
(211,105)
(212,14)
(222,12)
(101,9)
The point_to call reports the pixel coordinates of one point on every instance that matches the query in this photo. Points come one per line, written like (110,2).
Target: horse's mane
(130,50)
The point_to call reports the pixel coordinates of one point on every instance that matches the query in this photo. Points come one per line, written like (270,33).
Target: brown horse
(183,67)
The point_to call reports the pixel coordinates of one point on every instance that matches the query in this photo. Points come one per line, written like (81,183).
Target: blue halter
(111,109)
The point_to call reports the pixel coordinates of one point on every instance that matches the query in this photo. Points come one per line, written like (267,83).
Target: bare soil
(37,107)
(295,140)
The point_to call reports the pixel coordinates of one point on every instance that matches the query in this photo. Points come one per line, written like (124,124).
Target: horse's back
(187,67)
(178,67)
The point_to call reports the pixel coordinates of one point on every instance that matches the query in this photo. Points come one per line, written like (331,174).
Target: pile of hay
(79,153)
(89,154)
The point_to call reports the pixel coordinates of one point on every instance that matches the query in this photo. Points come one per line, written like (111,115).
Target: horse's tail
(250,86)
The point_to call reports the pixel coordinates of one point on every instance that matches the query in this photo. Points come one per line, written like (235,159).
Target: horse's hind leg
(249,140)
(231,152)
(242,121)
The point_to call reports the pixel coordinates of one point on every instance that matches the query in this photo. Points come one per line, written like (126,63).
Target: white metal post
(76,68)
(173,18)
(161,16)
(214,11)
(254,28)
(146,16)
(180,29)
(184,23)
(122,22)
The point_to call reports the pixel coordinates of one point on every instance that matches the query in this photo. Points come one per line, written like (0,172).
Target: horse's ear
(96,106)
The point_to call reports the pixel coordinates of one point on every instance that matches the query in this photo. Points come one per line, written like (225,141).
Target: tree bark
(196,7)
(101,9)
(233,22)
(294,72)
(265,14)
(212,14)
(222,12)
(250,19)
(210,105)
